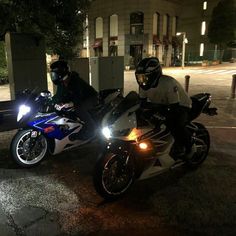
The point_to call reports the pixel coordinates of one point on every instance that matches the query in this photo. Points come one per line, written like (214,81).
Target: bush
(3,63)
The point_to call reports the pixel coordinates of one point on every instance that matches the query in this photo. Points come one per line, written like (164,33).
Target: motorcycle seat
(200,102)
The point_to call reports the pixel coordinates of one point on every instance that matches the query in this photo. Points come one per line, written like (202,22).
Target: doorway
(136,54)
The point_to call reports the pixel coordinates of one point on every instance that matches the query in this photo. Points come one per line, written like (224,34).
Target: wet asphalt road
(60,198)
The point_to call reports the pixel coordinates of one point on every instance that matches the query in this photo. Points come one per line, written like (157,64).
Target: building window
(201,49)
(203,28)
(174,25)
(204,5)
(98,44)
(114,26)
(99,27)
(113,35)
(136,23)
(156,25)
(166,25)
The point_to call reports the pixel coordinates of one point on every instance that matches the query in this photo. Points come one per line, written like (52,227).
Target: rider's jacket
(77,91)
(169,91)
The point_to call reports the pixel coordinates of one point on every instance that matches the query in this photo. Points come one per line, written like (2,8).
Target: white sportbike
(138,148)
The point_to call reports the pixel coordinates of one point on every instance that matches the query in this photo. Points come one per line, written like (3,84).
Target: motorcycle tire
(22,154)
(202,137)
(110,171)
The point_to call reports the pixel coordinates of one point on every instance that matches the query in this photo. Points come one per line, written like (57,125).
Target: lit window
(203,29)
(136,23)
(166,22)
(114,26)
(204,5)
(173,26)
(156,24)
(201,49)
(99,27)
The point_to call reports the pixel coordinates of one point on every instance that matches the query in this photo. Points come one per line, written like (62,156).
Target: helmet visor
(142,79)
(55,77)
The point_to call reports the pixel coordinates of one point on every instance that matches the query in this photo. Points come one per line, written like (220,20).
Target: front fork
(34,136)
(194,129)
(131,152)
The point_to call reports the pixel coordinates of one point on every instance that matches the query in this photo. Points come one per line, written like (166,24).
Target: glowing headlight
(106,132)
(23,110)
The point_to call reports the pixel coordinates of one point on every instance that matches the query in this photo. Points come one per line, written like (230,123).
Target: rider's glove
(68,105)
(60,107)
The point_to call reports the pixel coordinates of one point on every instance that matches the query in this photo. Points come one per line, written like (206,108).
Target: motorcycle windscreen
(127,103)
(123,118)
(125,123)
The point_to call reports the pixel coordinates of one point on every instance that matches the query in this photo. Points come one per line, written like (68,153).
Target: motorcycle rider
(73,91)
(168,96)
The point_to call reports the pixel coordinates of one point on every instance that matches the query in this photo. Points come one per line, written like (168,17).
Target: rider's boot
(191,152)
(177,152)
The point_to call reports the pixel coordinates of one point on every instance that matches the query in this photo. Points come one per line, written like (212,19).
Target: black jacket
(77,91)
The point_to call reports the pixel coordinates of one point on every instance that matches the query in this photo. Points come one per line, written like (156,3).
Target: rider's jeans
(82,111)
(176,121)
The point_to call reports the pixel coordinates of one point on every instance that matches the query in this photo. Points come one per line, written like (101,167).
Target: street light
(185,40)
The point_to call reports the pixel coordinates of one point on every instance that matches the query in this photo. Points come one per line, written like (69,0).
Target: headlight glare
(23,110)
(106,132)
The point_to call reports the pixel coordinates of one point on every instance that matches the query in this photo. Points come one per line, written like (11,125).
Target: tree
(60,21)
(222,26)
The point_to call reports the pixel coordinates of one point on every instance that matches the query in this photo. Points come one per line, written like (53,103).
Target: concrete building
(136,29)
(194,20)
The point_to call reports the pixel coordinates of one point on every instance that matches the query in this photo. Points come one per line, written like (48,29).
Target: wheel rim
(201,149)
(117,176)
(33,156)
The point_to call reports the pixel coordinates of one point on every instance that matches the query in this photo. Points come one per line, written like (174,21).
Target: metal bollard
(233,86)
(187,78)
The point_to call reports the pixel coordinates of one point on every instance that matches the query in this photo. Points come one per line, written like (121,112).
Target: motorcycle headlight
(106,132)
(23,110)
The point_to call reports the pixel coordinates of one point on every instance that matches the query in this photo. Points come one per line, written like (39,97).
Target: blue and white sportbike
(43,129)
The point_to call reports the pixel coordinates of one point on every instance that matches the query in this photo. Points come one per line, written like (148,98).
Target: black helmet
(59,69)
(148,72)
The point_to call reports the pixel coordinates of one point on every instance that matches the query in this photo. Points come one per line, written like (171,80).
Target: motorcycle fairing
(60,127)
(162,142)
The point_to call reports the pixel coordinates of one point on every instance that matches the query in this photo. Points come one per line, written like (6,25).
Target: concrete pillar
(26,61)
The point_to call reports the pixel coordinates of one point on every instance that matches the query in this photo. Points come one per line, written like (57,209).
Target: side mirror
(46,94)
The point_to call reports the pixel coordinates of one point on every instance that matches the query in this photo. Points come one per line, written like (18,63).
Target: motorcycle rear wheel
(23,154)
(202,142)
(113,176)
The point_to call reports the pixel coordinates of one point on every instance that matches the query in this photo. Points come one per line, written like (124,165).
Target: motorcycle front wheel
(113,175)
(27,151)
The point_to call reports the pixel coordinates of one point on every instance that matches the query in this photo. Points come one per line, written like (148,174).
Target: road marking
(208,72)
(215,71)
(228,72)
(221,127)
